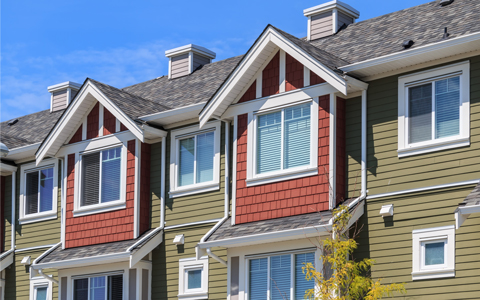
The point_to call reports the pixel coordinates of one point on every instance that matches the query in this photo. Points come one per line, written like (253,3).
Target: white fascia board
(64,85)
(271,237)
(136,256)
(6,169)
(343,7)
(86,96)
(405,58)
(23,152)
(269,36)
(6,259)
(82,262)
(172,115)
(470,209)
(190,48)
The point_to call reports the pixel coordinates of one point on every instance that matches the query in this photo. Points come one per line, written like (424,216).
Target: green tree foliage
(342,278)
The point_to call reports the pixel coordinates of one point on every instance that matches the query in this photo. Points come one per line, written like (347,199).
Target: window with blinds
(196,159)
(39,188)
(434,110)
(279,277)
(98,288)
(101,176)
(283,139)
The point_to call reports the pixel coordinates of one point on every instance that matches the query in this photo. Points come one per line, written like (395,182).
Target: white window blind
(111,164)
(447,102)
(39,191)
(280,270)
(301,284)
(258,279)
(283,139)
(196,159)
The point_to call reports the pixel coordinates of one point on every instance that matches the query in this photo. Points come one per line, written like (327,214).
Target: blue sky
(123,42)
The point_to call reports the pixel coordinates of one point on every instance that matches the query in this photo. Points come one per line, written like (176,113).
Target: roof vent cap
(186,59)
(62,94)
(445,2)
(12,122)
(407,44)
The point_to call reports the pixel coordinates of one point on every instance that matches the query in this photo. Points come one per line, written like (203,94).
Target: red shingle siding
(340,151)
(123,127)
(77,137)
(109,122)
(2,213)
(315,79)
(250,94)
(286,198)
(145,188)
(271,77)
(102,227)
(293,73)
(92,122)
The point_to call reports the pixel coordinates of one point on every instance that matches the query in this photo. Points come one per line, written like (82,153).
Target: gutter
(462,213)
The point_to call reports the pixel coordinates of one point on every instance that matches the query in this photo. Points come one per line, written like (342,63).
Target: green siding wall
(17,283)
(155,182)
(353,149)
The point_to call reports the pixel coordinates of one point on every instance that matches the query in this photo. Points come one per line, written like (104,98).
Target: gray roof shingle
(473,198)
(424,24)
(226,230)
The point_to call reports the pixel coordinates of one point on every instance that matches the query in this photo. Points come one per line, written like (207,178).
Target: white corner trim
(282,72)
(234,171)
(332,151)
(136,197)
(100,119)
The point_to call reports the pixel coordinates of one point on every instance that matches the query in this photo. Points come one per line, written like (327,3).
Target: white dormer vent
(326,19)
(186,59)
(62,94)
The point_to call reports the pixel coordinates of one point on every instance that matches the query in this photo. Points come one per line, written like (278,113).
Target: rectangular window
(41,293)
(101,176)
(98,288)
(39,191)
(283,139)
(279,277)
(196,159)
(193,278)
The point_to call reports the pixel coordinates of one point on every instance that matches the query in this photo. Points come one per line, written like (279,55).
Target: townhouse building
(218,180)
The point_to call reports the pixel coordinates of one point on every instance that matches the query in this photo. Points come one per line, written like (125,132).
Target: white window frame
(292,268)
(421,237)
(176,136)
(106,275)
(40,216)
(405,148)
(101,207)
(185,265)
(312,169)
(39,282)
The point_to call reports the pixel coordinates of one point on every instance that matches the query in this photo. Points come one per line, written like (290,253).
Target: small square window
(193,281)
(433,253)
(40,289)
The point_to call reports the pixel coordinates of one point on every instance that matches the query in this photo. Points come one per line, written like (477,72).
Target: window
(434,110)
(41,293)
(433,253)
(283,143)
(40,289)
(193,283)
(195,160)
(279,277)
(98,288)
(39,191)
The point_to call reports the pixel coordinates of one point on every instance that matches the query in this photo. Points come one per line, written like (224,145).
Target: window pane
(297,136)
(435,254)
(97,288)
(115,287)
(111,163)
(205,153)
(80,289)
(41,293)
(269,142)
(420,113)
(91,179)
(187,157)
(301,284)
(258,279)
(31,192)
(194,279)
(280,271)
(46,189)
(447,104)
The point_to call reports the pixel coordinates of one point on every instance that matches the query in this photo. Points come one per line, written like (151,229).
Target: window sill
(193,296)
(33,218)
(194,189)
(433,274)
(275,177)
(99,208)
(433,147)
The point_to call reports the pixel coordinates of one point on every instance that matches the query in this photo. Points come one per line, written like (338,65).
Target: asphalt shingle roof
(473,198)
(424,24)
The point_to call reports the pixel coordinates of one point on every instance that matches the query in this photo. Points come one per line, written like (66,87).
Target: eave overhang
(170,117)
(375,67)
(6,259)
(7,169)
(72,117)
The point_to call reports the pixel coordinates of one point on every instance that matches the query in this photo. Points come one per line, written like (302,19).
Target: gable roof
(383,35)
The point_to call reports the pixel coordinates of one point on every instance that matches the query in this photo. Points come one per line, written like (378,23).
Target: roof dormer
(186,59)
(62,94)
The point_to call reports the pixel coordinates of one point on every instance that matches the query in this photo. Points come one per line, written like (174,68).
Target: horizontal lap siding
(59,100)
(7,221)
(199,60)
(387,172)
(389,243)
(340,151)
(179,66)
(286,198)
(17,282)
(353,151)
(165,264)
(2,213)
(321,25)
(155,183)
(145,196)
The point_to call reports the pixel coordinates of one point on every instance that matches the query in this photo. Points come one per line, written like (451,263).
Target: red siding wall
(271,77)
(102,227)
(286,198)
(77,137)
(250,94)
(293,73)
(145,188)
(109,122)
(340,151)
(2,213)
(92,122)
(123,127)
(315,79)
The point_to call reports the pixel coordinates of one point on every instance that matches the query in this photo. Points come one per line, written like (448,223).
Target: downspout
(14,178)
(47,277)
(62,201)
(40,271)
(210,253)
(162,183)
